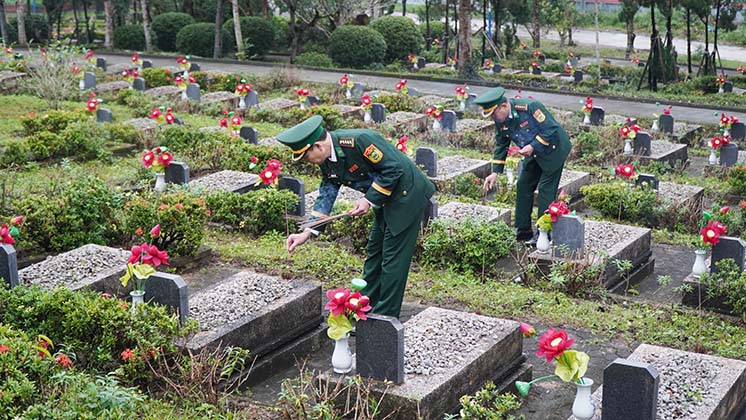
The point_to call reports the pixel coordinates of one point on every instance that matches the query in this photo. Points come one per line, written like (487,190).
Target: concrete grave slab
(404,121)
(681,195)
(452,166)
(665,152)
(230,99)
(168,92)
(348,111)
(570,183)
(345,194)
(113,86)
(232,181)
(147,126)
(278,104)
(460,211)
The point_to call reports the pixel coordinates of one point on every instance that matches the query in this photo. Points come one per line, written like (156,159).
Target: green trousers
(387,265)
(532,177)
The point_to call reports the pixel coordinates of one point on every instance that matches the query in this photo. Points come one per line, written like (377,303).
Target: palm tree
(237,28)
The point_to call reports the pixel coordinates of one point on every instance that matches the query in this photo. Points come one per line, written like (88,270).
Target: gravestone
(101,63)
(168,290)
(728,87)
(89,80)
(193,92)
(249,134)
(431,211)
(357,90)
(380,348)
(448,121)
(630,391)
(568,236)
(9,265)
(427,158)
(378,113)
(299,188)
(640,64)
(536,70)
(738,131)
(252,99)
(577,76)
(728,247)
(177,173)
(542,58)
(312,100)
(103,115)
(178,121)
(597,115)
(139,84)
(413,92)
(666,123)
(470,102)
(195,67)
(147,64)
(421,62)
(497,68)
(650,180)
(728,155)
(642,144)
(574,62)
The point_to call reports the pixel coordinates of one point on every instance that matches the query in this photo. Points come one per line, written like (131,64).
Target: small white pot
(713,157)
(583,407)
(628,146)
(543,244)
(700,266)
(342,357)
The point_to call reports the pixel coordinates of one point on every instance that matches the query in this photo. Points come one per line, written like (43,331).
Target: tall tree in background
(4,23)
(465,65)
(108,24)
(146,24)
(627,15)
(217,48)
(696,8)
(237,29)
(21,15)
(536,34)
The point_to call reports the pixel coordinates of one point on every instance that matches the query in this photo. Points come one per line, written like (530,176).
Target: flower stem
(543,378)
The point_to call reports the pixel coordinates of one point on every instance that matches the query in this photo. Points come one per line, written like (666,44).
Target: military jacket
(531,123)
(370,164)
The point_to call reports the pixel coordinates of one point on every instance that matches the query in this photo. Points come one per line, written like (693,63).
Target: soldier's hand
(527,150)
(489,182)
(361,207)
(296,240)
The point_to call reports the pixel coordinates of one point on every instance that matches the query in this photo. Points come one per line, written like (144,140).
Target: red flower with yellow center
(711,233)
(716,142)
(553,343)
(236,121)
(366,101)
(344,79)
(337,301)
(224,123)
(155,113)
(170,119)
(401,145)
(626,171)
(92,104)
(148,158)
(557,209)
(165,159)
(724,121)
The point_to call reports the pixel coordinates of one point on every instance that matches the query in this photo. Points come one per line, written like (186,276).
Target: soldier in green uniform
(394,187)
(543,143)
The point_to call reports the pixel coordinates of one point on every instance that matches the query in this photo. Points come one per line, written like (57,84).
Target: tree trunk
(4,23)
(109,24)
(265,9)
(403,7)
(496,11)
(146,24)
(536,23)
(77,22)
(689,40)
(428,34)
(218,45)
(237,29)
(630,37)
(465,66)
(88,32)
(570,42)
(446,37)
(187,6)
(21,14)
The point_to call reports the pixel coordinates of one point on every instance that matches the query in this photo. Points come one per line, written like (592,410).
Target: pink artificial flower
(527,330)
(148,158)
(156,231)
(5,236)
(337,301)
(359,305)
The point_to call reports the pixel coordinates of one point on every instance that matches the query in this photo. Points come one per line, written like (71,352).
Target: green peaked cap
(491,98)
(302,136)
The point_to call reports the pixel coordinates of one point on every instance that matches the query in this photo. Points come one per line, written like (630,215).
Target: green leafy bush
(75,213)
(314,59)
(281,27)
(167,26)
(255,212)
(395,102)
(469,245)
(182,217)
(437,30)
(37,28)
(737,180)
(53,121)
(123,133)
(704,84)
(258,34)
(728,284)
(468,185)
(401,35)
(130,37)
(198,39)
(351,231)
(357,46)
(619,201)
(487,404)
(82,139)
(156,77)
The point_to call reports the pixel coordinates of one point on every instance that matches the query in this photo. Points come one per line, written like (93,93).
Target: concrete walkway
(557,100)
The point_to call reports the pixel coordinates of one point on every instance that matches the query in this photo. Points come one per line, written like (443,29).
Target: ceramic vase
(342,357)
(699,267)
(138,298)
(542,245)
(583,407)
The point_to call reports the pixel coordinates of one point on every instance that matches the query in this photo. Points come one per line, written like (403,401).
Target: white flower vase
(242,103)
(542,245)
(720,90)
(699,267)
(81,84)
(462,105)
(183,94)
(138,298)
(302,105)
(185,76)
(583,407)
(713,157)
(627,146)
(510,175)
(415,67)
(342,357)
(655,127)
(160,183)
(488,71)
(587,119)
(436,124)
(726,133)
(453,67)
(348,94)
(366,117)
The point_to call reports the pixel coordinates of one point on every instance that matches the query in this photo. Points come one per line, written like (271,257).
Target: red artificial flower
(274,165)
(724,120)
(733,119)
(624,131)
(557,209)
(711,233)
(178,80)
(553,343)
(716,142)
(343,80)
(5,236)
(254,159)
(742,204)
(337,301)
(358,305)
(626,171)
(268,176)
(568,68)
(429,110)
(401,145)
(156,231)
(17,220)
(236,121)
(398,86)
(192,79)
(223,123)
(514,151)
(127,355)
(92,104)
(4,348)
(89,54)
(460,90)
(63,360)
(170,119)
(365,100)
(667,111)
(165,159)
(135,57)
(720,227)
(527,330)
(636,128)
(537,53)
(155,113)
(75,69)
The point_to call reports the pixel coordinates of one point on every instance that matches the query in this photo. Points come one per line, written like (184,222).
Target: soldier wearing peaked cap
(543,143)
(394,187)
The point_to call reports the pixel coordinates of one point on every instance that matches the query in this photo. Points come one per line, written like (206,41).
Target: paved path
(557,100)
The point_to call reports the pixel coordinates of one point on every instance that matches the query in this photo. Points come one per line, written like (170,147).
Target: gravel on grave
(163,91)
(111,86)
(435,99)
(469,124)
(601,237)
(73,266)
(142,123)
(270,141)
(460,211)
(219,97)
(278,104)
(223,181)
(456,164)
(659,148)
(345,193)
(243,294)
(433,345)
(117,68)
(403,117)
(569,176)
(677,193)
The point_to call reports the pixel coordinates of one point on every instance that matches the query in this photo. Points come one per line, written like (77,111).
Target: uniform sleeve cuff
(313,231)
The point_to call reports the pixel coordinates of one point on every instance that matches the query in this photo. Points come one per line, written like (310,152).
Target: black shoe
(523,235)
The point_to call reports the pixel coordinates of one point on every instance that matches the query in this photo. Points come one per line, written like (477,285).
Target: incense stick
(320,222)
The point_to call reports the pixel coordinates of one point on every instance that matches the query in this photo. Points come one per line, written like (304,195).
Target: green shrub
(437,30)
(255,212)
(182,217)
(37,29)
(357,46)
(619,201)
(729,285)
(281,27)
(84,140)
(123,133)
(737,180)
(156,77)
(395,102)
(487,404)
(16,152)
(705,84)
(75,213)
(350,231)
(166,26)
(401,35)
(53,121)
(198,39)
(468,185)
(258,34)
(129,37)
(469,245)
(314,59)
